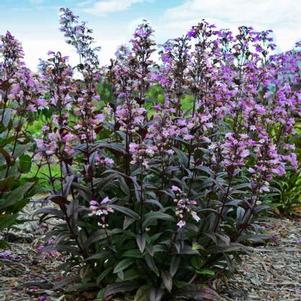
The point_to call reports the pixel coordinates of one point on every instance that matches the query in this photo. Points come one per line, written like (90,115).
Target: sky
(35,22)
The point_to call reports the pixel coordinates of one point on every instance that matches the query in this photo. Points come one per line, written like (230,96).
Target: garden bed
(270,272)
(273,271)
(155,174)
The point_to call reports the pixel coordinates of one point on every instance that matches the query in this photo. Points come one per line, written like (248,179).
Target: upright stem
(190,147)
(141,198)
(14,145)
(50,174)
(224,201)
(4,106)
(74,234)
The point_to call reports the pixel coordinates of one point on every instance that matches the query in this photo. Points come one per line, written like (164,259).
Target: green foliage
(34,128)
(42,175)
(187,102)
(286,195)
(288,192)
(155,94)
(16,187)
(105,91)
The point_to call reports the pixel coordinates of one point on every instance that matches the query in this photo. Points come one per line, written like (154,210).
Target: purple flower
(101,210)
(43,298)
(6,254)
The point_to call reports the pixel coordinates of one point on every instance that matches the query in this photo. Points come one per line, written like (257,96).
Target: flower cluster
(235,150)
(27,90)
(184,207)
(141,153)
(101,210)
(79,36)
(12,53)
(130,116)
(103,161)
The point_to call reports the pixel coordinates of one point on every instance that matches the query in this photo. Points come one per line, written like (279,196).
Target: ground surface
(270,272)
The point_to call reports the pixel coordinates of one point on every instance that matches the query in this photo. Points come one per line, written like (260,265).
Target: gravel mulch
(269,272)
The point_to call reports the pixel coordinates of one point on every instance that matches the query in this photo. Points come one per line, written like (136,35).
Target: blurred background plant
(19,97)
(286,192)
(286,196)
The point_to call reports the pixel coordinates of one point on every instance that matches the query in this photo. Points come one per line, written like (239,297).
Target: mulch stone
(270,272)
(273,271)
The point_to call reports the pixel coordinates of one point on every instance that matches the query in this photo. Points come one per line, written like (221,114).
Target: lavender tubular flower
(79,36)
(101,210)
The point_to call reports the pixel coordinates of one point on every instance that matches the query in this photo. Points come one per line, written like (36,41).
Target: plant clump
(163,165)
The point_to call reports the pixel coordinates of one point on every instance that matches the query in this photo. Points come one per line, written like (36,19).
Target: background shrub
(287,190)
(19,93)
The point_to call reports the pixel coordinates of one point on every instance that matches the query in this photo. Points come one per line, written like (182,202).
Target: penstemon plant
(157,192)
(20,97)
(287,197)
